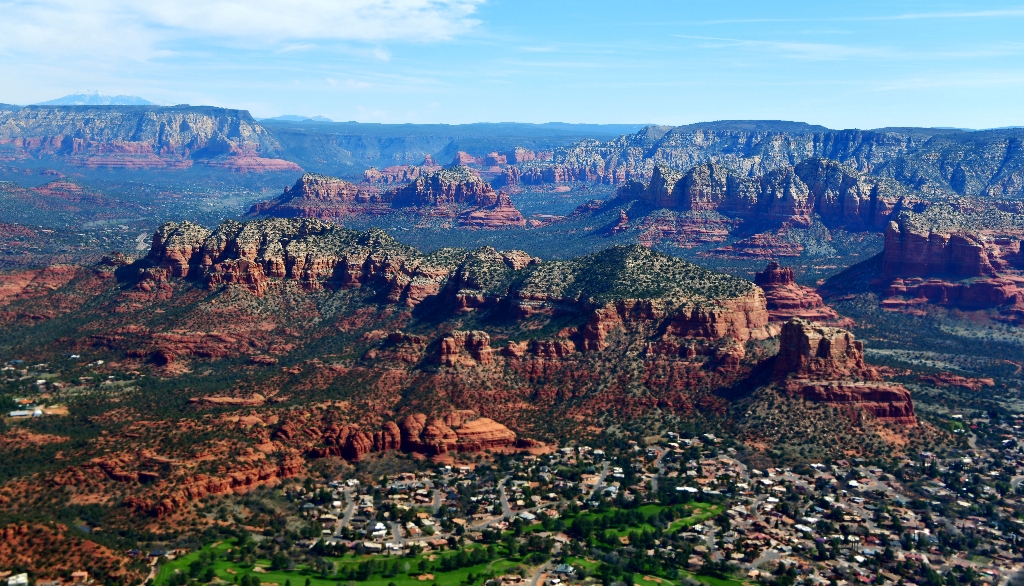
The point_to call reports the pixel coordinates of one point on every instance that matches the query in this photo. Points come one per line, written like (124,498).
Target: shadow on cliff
(760,376)
(862,277)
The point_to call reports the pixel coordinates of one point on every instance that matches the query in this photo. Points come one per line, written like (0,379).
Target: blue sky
(865,64)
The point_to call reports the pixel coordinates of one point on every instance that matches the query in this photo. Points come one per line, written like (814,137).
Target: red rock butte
(981,270)
(826,365)
(787,300)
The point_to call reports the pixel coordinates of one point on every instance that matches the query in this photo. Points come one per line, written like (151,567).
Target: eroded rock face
(785,194)
(323,197)
(826,365)
(810,350)
(503,214)
(447,187)
(910,253)
(884,401)
(787,300)
(457,193)
(466,348)
(142,137)
(462,431)
(967,270)
(175,245)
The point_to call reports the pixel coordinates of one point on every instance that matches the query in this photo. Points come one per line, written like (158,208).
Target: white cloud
(141,30)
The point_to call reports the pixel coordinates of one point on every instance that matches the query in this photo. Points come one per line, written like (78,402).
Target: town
(680,509)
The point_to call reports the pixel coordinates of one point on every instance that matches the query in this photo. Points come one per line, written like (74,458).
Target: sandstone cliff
(929,160)
(323,197)
(457,193)
(826,365)
(841,196)
(786,300)
(142,137)
(969,270)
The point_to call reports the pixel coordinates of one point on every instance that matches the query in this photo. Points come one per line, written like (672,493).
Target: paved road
(600,480)
(659,466)
(396,532)
(972,441)
(506,510)
(766,556)
(539,573)
(350,509)
(709,540)
(1015,481)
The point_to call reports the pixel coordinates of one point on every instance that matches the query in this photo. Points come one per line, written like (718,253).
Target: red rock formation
(462,159)
(254,164)
(824,364)
(239,481)
(463,431)
(885,401)
(453,186)
(400,173)
(969,271)
(764,245)
(175,245)
(502,214)
(790,195)
(910,253)
(786,300)
(811,350)
(466,349)
(520,155)
(623,224)
(949,379)
(323,197)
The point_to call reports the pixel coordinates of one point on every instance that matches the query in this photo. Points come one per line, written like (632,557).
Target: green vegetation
(215,562)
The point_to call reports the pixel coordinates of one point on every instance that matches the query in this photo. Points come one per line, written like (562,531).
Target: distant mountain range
(294,118)
(97,99)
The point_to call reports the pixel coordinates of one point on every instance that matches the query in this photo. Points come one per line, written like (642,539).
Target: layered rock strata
(142,137)
(456,192)
(789,194)
(971,271)
(688,309)
(323,197)
(787,300)
(826,365)
(456,431)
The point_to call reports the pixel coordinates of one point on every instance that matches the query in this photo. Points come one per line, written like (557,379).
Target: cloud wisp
(142,30)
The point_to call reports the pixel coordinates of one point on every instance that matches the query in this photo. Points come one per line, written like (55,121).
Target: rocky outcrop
(886,402)
(461,431)
(135,137)
(400,174)
(686,308)
(930,160)
(787,300)
(503,214)
(466,349)
(252,255)
(787,194)
(445,188)
(175,245)
(456,192)
(811,350)
(971,271)
(323,197)
(238,481)
(918,253)
(826,365)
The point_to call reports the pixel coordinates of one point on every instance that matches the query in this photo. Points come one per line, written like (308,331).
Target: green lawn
(301,573)
(592,566)
(703,512)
